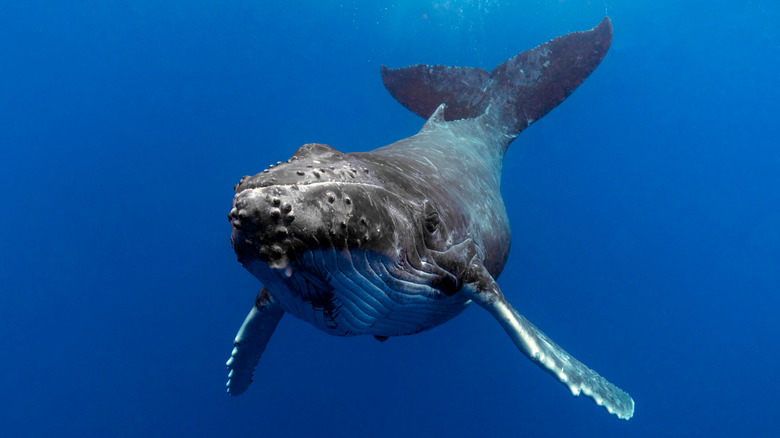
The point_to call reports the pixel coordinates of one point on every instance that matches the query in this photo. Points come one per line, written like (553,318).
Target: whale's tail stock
(520,91)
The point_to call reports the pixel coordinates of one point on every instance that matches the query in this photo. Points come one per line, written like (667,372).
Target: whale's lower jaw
(358,292)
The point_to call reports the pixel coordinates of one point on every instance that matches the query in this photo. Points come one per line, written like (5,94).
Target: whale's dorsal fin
(436,119)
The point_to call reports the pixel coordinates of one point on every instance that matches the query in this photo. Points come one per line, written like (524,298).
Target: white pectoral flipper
(251,340)
(543,351)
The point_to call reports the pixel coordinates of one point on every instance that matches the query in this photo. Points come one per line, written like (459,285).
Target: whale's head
(305,217)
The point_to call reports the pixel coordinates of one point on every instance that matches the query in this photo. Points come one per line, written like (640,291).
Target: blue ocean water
(645,214)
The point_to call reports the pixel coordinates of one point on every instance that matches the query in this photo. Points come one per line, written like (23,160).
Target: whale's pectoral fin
(548,355)
(478,285)
(251,340)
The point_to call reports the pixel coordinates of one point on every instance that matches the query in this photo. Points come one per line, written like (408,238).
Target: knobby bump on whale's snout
(262,219)
(275,224)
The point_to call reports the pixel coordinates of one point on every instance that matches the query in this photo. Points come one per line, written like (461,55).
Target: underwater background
(645,212)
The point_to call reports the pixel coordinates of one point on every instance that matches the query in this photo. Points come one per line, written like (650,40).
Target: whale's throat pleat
(359,292)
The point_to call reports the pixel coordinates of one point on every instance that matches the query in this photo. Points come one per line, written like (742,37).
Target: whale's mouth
(359,292)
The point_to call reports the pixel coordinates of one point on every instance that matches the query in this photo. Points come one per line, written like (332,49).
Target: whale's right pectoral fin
(251,340)
(478,285)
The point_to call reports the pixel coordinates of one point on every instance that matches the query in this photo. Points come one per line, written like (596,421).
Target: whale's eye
(431,221)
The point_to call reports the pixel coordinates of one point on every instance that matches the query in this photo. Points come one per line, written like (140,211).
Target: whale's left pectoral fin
(478,285)
(251,340)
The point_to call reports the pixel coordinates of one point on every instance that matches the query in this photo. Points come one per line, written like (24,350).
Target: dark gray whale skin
(401,239)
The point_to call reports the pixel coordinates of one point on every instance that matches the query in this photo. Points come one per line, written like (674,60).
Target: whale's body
(401,239)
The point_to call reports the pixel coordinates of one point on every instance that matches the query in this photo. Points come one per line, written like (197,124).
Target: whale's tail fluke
(521,90)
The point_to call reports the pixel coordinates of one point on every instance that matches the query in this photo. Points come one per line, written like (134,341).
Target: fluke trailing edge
(401,239)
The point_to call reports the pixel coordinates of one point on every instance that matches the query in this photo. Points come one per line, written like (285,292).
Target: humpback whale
(403,238)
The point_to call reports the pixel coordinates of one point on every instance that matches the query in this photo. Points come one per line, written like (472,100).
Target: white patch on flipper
(549,356)
(250,343)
